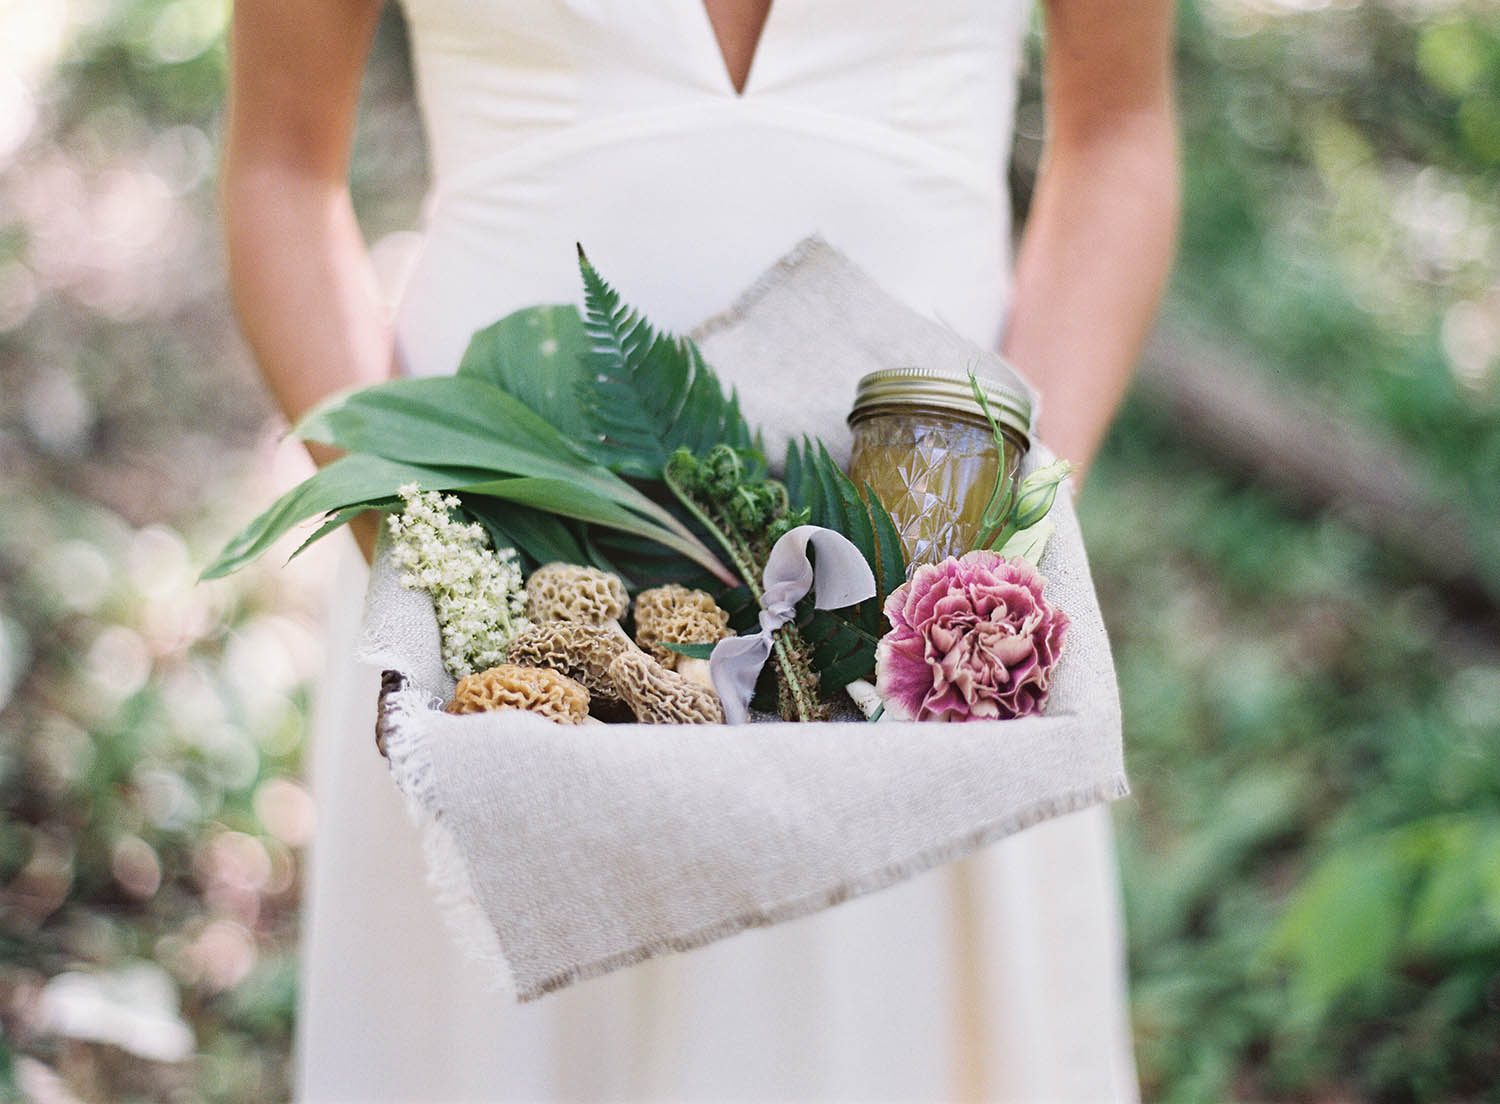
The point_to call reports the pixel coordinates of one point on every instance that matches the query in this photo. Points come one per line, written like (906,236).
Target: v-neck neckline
(715,49)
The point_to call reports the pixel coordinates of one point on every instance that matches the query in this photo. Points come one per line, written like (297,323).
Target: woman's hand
(1098,242)
(303,288)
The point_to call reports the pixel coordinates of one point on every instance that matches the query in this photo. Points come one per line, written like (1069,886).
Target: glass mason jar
(922,442)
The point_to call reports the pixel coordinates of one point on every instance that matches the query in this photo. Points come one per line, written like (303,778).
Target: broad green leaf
(445,420)
(349,481)
(692,651)
(536,354)
(423,421)
(539,537)
(344,517)
(569,499)
(643,563)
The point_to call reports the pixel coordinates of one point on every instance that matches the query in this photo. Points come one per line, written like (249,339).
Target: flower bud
(1037,493)
(683,466)
(722,471)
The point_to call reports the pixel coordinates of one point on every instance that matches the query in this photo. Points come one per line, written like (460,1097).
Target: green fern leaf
(814,482)
(647,393)
(843,641)
(841,650)
(891,572)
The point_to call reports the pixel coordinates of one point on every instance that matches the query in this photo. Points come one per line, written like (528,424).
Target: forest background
(1293,529)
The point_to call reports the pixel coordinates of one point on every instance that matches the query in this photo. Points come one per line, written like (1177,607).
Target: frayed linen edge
(771,278)
(1111,789)
(447,869)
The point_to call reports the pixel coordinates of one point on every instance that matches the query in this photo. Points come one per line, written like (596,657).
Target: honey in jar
(922,442)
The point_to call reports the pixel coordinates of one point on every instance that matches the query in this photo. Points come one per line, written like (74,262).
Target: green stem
(804,703)
(737,548)
(995,540)
(737,556)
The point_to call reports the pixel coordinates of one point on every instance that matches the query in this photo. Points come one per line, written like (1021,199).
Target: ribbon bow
(841,577)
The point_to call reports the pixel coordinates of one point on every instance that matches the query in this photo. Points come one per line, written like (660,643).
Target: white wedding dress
(884,126)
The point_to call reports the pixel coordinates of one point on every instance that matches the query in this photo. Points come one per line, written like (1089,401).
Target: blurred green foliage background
(1310,671)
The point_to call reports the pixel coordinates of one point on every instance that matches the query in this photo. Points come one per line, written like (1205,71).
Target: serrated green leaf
(647,393)
(792,475)
(856,524)
(824,474)
(839,674)
(568,499)
(891,572)
(815,482)
(743,609)
(840,651)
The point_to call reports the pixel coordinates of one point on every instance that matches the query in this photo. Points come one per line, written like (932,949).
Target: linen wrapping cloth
(564,852)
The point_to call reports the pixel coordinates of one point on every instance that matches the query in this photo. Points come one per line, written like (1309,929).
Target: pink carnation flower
(971,638)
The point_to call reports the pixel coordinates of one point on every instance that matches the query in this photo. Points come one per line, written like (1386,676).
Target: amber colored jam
(933,470)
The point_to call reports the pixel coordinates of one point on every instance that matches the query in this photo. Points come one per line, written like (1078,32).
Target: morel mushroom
(580,651)
(511,686)
(659,696)
(674,614)
(568,592)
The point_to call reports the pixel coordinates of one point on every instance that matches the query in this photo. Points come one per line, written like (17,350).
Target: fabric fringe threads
(447,871)
(405,746)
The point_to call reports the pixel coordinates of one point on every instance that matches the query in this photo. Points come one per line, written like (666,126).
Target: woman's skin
(1093,260)
(1102,228)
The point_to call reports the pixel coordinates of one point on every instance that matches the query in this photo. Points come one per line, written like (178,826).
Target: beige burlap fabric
(564,852)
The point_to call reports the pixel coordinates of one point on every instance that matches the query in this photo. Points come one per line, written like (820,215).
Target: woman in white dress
(688,144)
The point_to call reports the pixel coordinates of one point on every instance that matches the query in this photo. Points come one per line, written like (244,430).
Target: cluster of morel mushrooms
(575,664)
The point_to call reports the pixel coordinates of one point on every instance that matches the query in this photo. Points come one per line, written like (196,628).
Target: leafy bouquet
(579,457)
(577,451)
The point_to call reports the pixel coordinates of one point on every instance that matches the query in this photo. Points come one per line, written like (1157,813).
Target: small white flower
(477,591)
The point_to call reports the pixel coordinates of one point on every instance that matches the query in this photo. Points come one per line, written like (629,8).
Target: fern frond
(815,483)
(843,641)
(647,393)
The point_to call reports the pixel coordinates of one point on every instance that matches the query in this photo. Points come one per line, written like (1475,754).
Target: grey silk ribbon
(841,577)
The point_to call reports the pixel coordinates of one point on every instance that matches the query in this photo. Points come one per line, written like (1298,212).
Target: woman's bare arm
(301,279)
(1099,240)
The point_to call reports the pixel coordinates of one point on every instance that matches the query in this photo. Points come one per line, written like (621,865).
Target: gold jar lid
(894,388)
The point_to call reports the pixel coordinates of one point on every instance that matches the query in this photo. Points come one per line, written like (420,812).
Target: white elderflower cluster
(476,590)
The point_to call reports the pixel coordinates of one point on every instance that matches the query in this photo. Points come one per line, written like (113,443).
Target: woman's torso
(882,125)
